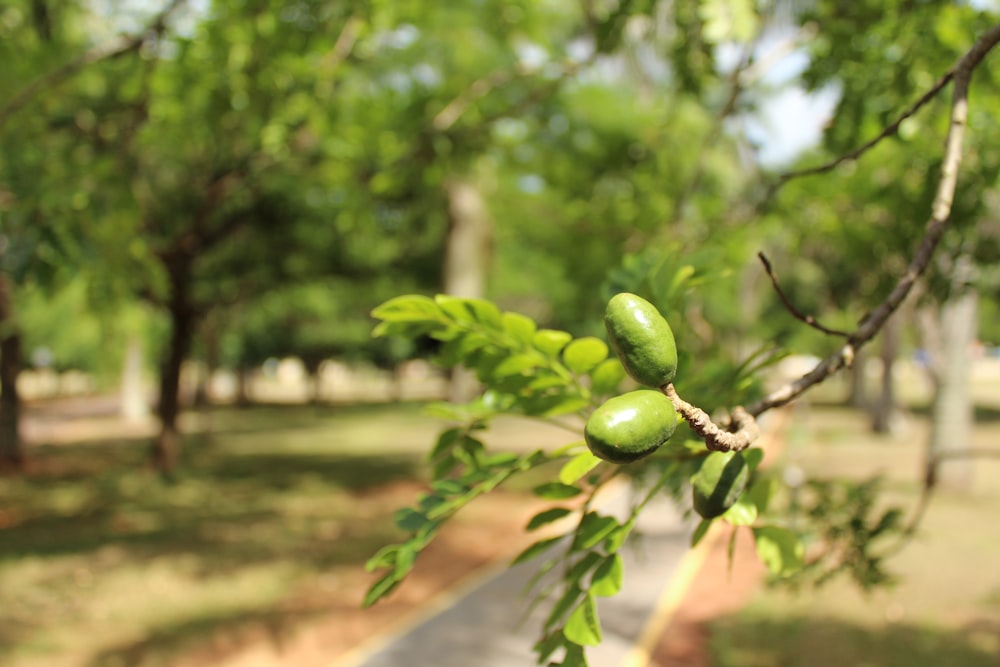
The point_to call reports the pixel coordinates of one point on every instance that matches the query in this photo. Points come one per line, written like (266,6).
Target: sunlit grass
(102,562)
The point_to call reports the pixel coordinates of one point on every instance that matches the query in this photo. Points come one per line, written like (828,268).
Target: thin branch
(745,432)
(936,226)
(446,118)
(799,315)
(116,47)
(886,132)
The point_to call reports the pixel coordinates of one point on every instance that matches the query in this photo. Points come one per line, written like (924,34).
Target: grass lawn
(104,563)
(945,609)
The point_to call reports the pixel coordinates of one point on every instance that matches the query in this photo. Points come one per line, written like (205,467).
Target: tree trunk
(166,448)
(468,253)
(203,390)
(314,389)
(952,411)
(242,386)
(885,408)
(11,445)
(134,407)
(858,396)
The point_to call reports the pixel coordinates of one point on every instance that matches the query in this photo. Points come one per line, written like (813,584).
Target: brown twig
(745,430)
(940,212)
(798,314)
(112,49)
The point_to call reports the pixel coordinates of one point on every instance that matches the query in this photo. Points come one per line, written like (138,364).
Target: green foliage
(544,374)
(850,532)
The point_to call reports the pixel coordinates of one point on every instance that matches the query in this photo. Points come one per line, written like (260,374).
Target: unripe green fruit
(630,426)
(642,339)
(719,483)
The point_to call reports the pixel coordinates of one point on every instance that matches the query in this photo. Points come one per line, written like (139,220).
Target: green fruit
(630,426)
(719,483)
(642,339)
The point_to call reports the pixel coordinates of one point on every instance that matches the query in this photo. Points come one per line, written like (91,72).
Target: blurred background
(202,201)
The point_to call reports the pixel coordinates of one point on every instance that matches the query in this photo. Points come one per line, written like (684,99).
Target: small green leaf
(681,276)
(574,657)
(429,502)
(553,406)
(577,467)
(547,645)
(780,549)
(556,491)
(700,532)
(501,460)
(517,364)
(409,519)
(608,577)
(535,550)
(617,537)
(380,589)
(485,313)
(583,627)
(605,378)
(761,492)
(413,329)
(546,517)
(583,354)
(408,308)
(519,327)
(545,379)
(742,513)
(888,521)
(753,457)
(455,308)
(582,567)
(449,487)
(563,605)
(593,528)
(461,348)
(550,341)
(445,442)
(384,557)
(405,559)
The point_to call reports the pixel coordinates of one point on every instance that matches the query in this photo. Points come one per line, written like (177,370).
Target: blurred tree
(56,212)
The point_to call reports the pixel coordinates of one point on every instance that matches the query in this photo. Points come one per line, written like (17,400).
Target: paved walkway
(485,626)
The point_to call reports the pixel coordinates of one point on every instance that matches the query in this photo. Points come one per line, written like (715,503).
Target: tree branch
(112,49)
(936,226)
(886,132)
(808,319)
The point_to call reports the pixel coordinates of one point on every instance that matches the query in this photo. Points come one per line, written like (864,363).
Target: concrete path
(485,626)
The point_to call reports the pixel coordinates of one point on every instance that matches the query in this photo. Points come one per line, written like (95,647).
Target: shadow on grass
(265,417)
(227,630)
(228,510)
(829,642)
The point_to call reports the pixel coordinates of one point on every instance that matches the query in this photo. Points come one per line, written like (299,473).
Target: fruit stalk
(716,439)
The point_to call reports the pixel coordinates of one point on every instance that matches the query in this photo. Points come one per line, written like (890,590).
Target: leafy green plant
(551,376)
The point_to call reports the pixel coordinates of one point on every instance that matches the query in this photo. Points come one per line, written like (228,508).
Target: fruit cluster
(628,427)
